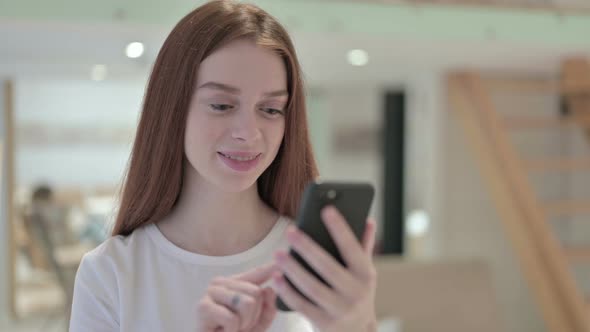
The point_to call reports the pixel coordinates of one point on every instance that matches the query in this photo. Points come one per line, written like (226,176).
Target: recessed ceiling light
(134,50)
(98,72)
(358,57)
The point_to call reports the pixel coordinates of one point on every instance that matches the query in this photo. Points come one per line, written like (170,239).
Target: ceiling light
(358,57)
(134,50)
(98,72)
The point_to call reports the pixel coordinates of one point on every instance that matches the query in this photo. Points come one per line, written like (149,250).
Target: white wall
(423,159)
(70,104)
(361,104)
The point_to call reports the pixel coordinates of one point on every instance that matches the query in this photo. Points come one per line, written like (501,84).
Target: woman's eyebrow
(278,93)
(236,91)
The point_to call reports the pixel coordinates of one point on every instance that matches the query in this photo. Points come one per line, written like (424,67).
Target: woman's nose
(245,127)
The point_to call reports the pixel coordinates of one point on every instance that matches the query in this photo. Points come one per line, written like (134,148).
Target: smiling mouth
(240,158)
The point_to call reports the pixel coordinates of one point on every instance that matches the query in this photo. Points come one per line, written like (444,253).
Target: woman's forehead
(245,66)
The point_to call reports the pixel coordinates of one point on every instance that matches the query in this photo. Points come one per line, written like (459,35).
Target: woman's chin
(234,181)
(236,184)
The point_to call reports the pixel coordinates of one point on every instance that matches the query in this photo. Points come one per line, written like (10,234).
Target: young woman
(219,163)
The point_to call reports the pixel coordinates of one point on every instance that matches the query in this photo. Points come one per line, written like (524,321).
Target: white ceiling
(558,5)
(69,49)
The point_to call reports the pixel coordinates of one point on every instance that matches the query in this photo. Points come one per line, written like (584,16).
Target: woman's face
(236,119)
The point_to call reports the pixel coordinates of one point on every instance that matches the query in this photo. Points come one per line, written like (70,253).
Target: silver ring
(235,301)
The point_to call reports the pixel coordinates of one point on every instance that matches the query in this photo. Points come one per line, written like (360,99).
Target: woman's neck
(208,221)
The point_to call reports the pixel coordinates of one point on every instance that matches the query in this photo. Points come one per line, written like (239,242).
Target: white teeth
(240,158)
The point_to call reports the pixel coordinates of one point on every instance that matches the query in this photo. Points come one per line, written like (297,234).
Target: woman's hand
(238,303)
(349,304)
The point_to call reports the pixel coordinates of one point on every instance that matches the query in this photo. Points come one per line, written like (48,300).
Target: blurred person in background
(43,203)
(219,163)
(45,222)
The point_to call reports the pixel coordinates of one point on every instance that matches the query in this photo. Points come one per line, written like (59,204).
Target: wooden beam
(575,76)
(8,118)
(522,85)
(513,122)
(557,165)
(567,208)
(576,88)
(578,255)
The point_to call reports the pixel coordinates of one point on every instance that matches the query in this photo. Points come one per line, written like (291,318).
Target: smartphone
(353,200)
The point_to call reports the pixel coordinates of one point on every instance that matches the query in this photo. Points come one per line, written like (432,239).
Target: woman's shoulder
(115,251)
(100,281)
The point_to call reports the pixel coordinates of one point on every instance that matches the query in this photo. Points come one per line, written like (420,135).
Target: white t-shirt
(143,282)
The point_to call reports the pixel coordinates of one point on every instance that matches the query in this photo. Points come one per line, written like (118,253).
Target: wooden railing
(545,262)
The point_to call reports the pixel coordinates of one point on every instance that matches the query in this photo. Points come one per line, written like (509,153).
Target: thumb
(269,310)
(258,275)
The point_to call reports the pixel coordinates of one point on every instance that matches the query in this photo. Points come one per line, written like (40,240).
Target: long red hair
(154,176)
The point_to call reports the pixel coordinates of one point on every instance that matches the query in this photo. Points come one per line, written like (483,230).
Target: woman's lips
(240,161)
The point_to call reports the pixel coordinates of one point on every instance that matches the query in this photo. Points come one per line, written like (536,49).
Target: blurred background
(471,118)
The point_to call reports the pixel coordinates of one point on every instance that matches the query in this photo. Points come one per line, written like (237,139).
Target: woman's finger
(239,286)
(321,261)
(269,311)
(258,275)
(369,237)
(255,293)
(244,287)
(348,245)
(240,303)
(297,302)
(215,317)
(310,286)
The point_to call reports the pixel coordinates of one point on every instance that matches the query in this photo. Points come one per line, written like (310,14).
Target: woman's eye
(272,111)
(220,107)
